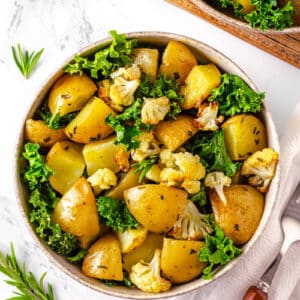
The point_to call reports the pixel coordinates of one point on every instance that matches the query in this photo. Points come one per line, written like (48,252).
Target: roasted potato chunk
(179,260)
(70,93)
(103,259)
(149,202)
(89,125)
(199,83)
(241,215)
(66,160)
(36,131)
(244,134)
(174,133)
(177,61)
(76,212)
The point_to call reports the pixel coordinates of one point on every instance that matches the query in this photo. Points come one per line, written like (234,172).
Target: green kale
(43,199)
(78,257)
(268,15)
(125,282)
(217,251)
(144,166)
(115,214)
(201,201)
(212,151)
(54,121)
(234,96)
(106,60)
(237,7)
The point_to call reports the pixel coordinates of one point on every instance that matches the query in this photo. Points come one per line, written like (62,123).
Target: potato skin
(174,133)
(179,260)
(241,215)
(36,131)
(89,125)
(155,206)
(103,259)
(244,134)
(76,212)
(70,93)
(66,160)
(177,59)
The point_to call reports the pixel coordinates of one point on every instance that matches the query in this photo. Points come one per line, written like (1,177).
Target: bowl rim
(215,13)
(56,259)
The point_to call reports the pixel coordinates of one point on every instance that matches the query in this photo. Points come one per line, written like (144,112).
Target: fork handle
(255,293)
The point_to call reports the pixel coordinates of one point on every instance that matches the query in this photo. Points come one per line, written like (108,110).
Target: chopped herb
(144,166)
(126,281)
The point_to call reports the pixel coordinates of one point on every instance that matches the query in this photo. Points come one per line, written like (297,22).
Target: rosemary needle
(29,288)
(25,61)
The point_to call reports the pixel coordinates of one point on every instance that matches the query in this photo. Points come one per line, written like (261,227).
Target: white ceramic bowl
(205,54)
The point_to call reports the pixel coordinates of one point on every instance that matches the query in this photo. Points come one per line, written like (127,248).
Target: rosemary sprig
(29,288)
(25,61)
(144,166)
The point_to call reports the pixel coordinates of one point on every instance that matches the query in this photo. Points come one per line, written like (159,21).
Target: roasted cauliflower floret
(146,276)
(154,110)
(182,169)
(148,146)
(190,225)
(260,168)
(122,89)
(217,180)
(102,179)
(207,119)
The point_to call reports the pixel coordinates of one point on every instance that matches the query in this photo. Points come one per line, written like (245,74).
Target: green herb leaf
(234,96)
(25,61)
(201,201)
(29,288)
(218,251)
(126,281)
(144,166)
(115,214)
(212,151)
(106,60)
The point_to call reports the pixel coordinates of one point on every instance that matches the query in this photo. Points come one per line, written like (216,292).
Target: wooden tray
(283,46)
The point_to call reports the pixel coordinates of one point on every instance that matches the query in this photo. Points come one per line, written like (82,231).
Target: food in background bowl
(265,16)
(144,159)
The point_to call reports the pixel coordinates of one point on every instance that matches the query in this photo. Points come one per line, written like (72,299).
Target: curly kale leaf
(115,214)
(217,251)
(234,96)
(267,15)
(212,151)
(43,199)
(106,60)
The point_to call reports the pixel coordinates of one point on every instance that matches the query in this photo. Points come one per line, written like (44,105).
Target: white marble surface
(62,27)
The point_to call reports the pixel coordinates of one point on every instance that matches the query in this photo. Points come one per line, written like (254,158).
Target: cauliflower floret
(207,117)
(148,146)
(260,168)
(182,169)
(217,180)
(102,179)
(154,110)
(125,83)
(146,276)
(190,225)
(122,159)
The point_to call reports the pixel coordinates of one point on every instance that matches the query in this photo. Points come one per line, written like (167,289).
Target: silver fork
(291,228)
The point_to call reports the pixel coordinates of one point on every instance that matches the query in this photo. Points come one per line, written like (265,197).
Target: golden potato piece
(101,154)
(131,238)
(241,215)
(103,259)
(177,61)
(199,83)
(128,180)
(76,212)
(174,133)
(179,260)
(155,206)
(70,93)
(89,125)
(147,60)
(36,131)
(244,134)
(66,160)
(144,252)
